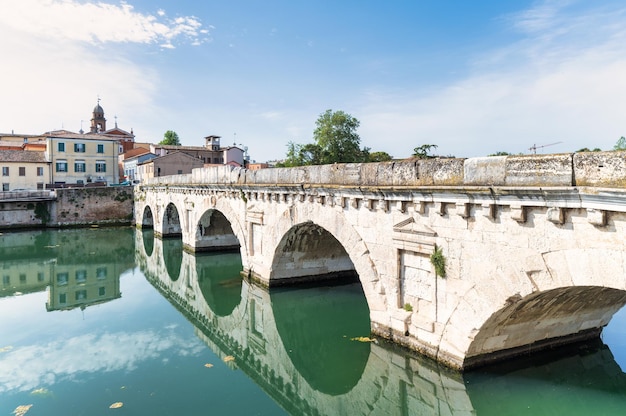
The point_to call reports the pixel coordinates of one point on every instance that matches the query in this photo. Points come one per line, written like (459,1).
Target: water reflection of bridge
(235,318)
(383,382)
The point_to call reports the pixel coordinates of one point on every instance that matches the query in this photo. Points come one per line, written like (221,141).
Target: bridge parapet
(597,169)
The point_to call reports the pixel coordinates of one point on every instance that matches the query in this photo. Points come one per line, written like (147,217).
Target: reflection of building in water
(82,285)
(25,262)
(18,277)
(80,267)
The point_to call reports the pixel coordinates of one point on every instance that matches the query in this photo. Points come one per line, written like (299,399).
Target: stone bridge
(532,245)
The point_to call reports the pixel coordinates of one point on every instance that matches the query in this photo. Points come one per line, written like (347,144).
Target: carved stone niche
(411,236)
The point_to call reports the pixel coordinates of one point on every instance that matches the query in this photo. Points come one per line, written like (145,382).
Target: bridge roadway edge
(529,211)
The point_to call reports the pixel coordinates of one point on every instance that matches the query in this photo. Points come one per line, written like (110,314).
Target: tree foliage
(621,144)
(170,138)
(379,157)
(335,141)
(422,152)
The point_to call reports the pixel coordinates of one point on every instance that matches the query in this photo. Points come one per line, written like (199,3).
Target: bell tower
(98,122)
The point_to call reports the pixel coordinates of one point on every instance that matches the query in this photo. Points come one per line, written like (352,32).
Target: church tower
(98,122)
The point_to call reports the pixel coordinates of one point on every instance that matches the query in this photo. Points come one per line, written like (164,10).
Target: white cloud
(64,53)
(93,22)
(30,367)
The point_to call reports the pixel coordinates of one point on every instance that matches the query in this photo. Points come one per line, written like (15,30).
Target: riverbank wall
(68,207)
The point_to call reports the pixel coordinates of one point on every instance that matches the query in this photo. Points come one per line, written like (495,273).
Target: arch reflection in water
(580,380)
(318,327)
(219,279)
(148,240)
(172,256)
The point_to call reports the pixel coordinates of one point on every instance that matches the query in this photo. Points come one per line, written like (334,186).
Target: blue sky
(473,78)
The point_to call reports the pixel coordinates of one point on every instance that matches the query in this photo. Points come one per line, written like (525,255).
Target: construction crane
(534,147)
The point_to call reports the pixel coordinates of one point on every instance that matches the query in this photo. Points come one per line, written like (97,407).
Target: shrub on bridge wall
(439,261)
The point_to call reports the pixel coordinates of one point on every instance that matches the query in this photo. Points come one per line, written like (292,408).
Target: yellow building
(82,158)
(23,169)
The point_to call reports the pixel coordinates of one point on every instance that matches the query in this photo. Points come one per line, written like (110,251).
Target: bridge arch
(171,223)
(554,298)
(546,318)
(214,233)
(332,225)
(309,252)
(147,218)
(216,222)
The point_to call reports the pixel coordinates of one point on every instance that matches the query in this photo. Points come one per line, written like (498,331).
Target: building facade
(82,158)
(23,169)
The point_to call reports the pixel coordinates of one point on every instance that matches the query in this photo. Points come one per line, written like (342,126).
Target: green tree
(337,139)
(170,138)
(500,154)
(621,144)
(421,152)
(379,157)
(301,154)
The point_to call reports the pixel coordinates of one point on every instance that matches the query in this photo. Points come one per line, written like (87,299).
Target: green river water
(114,322)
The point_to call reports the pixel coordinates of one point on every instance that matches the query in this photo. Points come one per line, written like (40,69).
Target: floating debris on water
(362,339)
(208,365)
(229,358)
(116,405)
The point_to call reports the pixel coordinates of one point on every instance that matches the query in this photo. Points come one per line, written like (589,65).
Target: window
(5,171)
(101,166)
(40,276)
(100,148)
(101,273)
(180,171)
(6,280)
(63,298)
(5,186)
(79,166)
(22,171)
(79,147)
(80,295)
(22,278)
(81,276)
(62,278)
(39,171)
(101,291)
(61,147)
(61,166)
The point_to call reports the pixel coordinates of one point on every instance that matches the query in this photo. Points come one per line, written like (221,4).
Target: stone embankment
(70,207)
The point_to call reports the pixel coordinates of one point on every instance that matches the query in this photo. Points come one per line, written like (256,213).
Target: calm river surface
(98,318)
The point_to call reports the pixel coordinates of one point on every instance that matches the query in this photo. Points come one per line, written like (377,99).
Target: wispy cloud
(563,81)
(30,367)
(96,22)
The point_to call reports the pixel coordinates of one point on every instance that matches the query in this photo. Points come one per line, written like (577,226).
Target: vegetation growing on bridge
(439,261)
